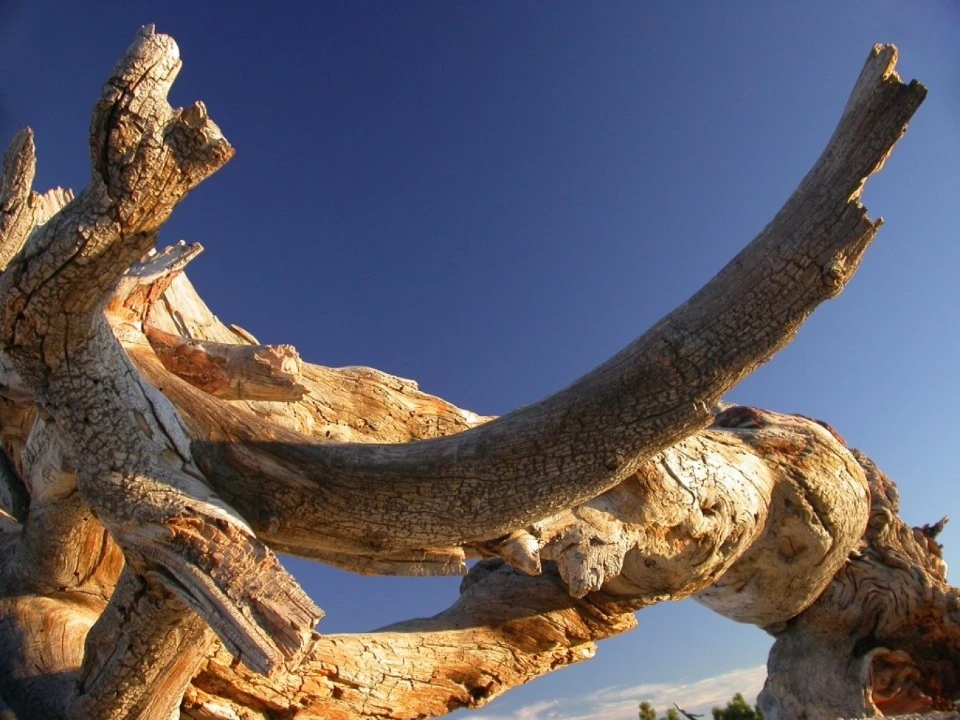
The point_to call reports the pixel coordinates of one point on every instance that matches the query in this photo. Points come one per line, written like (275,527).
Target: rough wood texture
(670,529)
(231,372)
(156,458)
(18,205)
(506,629)
(484,483)
(133,465)
(886,631)
(130,673)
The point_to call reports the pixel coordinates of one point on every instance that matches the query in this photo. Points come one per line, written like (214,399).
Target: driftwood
(155,459)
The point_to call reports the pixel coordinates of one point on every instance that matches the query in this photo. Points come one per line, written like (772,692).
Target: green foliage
(736,709)
(648,712)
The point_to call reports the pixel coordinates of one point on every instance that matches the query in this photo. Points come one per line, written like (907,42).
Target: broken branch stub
(231,372)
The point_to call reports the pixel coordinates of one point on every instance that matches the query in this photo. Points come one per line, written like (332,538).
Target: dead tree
(155,459)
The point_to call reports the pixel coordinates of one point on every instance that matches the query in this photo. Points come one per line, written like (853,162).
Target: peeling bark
(157,458)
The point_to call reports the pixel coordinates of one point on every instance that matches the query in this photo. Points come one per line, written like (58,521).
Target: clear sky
(493,197)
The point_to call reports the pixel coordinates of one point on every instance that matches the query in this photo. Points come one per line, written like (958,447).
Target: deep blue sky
(492,198)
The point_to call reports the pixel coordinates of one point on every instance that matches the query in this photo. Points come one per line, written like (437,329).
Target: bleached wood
(231,372)
(504,630)
(508,473)
(136,474)
(132,674)
(17,203)
(606,497)
(710,507)
(884,636)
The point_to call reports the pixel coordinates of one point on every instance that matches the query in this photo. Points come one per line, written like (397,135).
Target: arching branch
(536,461)
(610,495)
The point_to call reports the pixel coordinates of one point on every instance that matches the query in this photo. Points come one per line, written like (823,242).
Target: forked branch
(133,465)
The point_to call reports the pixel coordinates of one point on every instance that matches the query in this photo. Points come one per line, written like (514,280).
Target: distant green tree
(737,709)
(647,711)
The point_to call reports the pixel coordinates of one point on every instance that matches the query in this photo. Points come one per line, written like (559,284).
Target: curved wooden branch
(672,521)
(506,629)
(710,516)
(754,514)
(511,472)
(146,157)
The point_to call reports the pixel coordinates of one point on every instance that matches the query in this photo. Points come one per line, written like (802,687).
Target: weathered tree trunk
(155,460)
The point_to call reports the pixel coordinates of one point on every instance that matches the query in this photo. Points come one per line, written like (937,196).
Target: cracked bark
(508,473)
(157,457)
